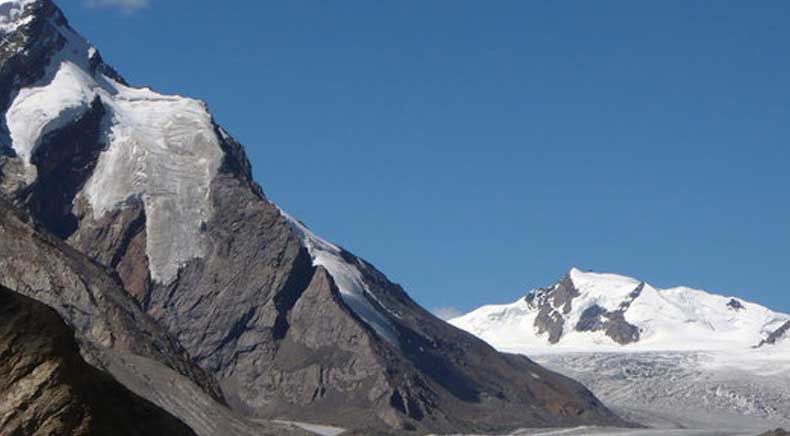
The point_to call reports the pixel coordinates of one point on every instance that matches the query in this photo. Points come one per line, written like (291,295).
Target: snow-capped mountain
(288,325)
(667,358)
(588,311)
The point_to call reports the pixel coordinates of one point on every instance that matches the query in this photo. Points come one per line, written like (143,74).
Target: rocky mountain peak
(555,307)
(599,311)
(290,325)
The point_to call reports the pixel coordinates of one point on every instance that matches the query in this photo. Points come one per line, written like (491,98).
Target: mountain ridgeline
(149,209)
(588,311)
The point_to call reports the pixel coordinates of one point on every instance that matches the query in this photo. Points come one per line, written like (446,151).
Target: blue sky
(474,150)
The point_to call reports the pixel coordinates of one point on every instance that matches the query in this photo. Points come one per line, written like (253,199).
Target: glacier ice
(161,150)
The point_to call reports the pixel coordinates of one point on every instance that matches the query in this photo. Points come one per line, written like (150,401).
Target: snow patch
(39,110)
(348,278)
(161,150)
(321,430)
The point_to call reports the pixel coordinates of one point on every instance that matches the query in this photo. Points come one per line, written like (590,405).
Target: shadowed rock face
(114,334)
(48,389)
(613,323)
(258,314)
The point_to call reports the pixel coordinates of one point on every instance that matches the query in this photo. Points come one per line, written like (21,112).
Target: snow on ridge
(161,150)
(12,15)
(348,278)
(675,319)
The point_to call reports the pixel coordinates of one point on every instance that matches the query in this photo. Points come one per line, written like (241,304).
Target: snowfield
(695,370)
(675,319)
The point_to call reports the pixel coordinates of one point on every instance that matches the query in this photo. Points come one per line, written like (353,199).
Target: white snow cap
(161,150)
(675,319)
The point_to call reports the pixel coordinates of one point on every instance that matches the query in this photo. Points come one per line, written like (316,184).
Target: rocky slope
(114,334)
(48,389)
(591,312)
(290,325)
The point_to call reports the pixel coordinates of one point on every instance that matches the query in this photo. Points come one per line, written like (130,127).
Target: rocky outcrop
(39,265)
(48,389)
(114,334)
(554,305)
(777,335)
(291,326)
(613,323)
(735,305)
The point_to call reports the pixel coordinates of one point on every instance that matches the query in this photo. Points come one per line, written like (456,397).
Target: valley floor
(674,393)
(593,431)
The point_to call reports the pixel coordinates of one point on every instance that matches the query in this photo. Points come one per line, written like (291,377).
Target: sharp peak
(576,272)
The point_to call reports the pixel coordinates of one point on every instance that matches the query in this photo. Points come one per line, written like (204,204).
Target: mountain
(114,335)
(49,389)
(672,359)
(587,311)
(290,326)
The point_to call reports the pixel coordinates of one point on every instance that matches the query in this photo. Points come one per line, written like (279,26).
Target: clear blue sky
(474,150)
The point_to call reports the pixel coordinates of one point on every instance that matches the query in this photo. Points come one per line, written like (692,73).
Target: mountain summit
(290,326)
(589,311)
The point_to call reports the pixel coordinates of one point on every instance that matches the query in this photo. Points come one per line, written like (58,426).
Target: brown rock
(48,389)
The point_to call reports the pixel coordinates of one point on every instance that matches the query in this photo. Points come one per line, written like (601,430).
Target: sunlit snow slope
(589,311)
(679,360)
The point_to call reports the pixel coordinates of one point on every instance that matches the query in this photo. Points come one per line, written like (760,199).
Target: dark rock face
(734,304)
(94,303)
(556,302)
(50,389)
(549,319)
(64,160)
(114,334)
(778,335)
(596,318)
(254,311)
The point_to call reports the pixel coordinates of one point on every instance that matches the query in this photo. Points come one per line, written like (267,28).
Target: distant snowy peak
(594,311)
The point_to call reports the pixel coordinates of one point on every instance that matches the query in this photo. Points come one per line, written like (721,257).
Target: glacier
(695,370)
(161,150)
